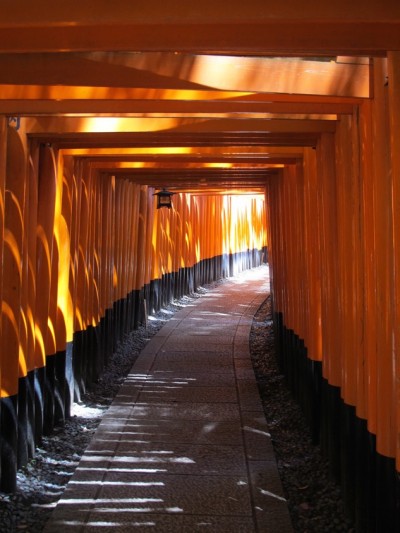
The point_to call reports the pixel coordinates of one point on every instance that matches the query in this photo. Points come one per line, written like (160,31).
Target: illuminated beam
(249,162)
(125,125)
(32,99)
(170,71)
(159,96)
(127,108)
(179,174)
(136,153)
(32,91)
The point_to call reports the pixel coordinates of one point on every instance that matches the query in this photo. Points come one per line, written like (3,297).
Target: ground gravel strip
(314,501)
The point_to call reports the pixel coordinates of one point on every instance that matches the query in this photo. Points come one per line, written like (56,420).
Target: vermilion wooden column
(194,216)
(89,252)
(329,276)
(117,243)
(13,357)
(128,237)
(381,374)
(82,281)
(154,264)
(386,196)
(95,296)
(274,244)
(367,372)
(345,219)
(140,253)
(175,245)
(55,338)
(394,114)
(290,248)
(110,241)
(148,252)
(106,271)
(269,198)
(350,296)
(76,186)
(330,319)
(185,258)
(375,180)
(302,285)
(66,310)
(313,257)
(124,220)
(3,163)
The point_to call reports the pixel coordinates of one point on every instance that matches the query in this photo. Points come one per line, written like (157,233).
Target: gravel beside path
(314,501)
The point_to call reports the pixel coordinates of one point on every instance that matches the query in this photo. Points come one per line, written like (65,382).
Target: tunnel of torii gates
(277,128)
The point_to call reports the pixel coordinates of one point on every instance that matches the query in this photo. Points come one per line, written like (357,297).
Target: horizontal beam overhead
(127,140)
(252,27)
(172,108)
(215,96)
(185,180)
(196,152)
(122,125)
(184,72)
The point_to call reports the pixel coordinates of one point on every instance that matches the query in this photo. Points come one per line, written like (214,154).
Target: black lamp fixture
(164,198)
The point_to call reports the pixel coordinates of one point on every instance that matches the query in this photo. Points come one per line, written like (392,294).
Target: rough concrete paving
(185,446)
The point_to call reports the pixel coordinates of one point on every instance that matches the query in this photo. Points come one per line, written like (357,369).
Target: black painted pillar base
(139,306)
(69,379)
(49,392)
(23,421)
(109,332)
(39,379)
(348,457)
(8,443)
(154,296)
(370,483)
(331,427)
(31,431)
(387,495)
(77,364)
(365,478)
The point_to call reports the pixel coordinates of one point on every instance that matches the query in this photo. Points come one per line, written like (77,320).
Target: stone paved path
(185,447)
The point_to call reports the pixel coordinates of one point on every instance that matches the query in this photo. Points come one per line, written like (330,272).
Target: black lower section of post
(8,443)
(369,482)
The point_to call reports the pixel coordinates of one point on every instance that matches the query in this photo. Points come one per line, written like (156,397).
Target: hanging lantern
(164,198)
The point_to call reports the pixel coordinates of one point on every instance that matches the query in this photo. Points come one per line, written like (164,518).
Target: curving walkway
(185,447)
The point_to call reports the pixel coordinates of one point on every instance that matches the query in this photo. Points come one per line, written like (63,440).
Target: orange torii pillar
(3,175)
(141,258)
(393,371)
(13,345)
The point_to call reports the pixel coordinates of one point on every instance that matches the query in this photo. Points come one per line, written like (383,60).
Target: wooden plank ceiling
(200,98)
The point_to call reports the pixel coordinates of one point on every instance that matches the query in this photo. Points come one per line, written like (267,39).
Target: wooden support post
(3,167)
(394,114)
(12,355)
